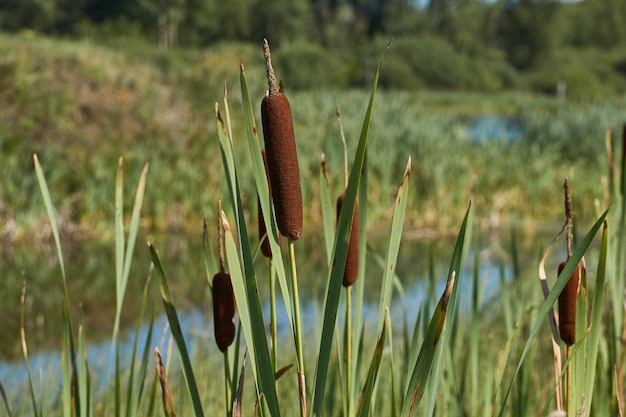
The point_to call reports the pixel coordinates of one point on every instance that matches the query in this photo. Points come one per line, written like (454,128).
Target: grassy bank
(80,106)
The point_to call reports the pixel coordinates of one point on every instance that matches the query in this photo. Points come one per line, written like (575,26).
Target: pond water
(494,127)
(91,281)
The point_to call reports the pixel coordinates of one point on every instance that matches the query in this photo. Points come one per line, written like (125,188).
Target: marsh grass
(146,105)
(454,360)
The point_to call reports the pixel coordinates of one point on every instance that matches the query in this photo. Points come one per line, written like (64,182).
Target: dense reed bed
(459,356)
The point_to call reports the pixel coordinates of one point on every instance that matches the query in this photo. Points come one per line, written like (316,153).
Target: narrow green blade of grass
(432,341)
(133,229)
(210,264)
(358,322)
(365,399)
(394,245)
(263,193)
(339,257)
(43,186)
(326,204)
(133,394)
(68,337)
(152,396)
(172,317)
(3,394)
(67,360)
(460,251)
(119,240)
(596,318)
(83,372)
(394,396)
(226,150)
(33,397)
(436,339)
(550,300)
(251,318)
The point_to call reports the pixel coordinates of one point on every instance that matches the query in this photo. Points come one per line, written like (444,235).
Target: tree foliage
(450,44)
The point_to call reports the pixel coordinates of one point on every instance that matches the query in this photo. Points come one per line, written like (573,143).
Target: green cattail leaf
(437,336)
(31,388)
(83,370)
(177,334)
(596,318)
(251,318)
(210,264)
(326,204)
(339,258)
(45,193)
(68,337)
(432,341)
(394,245)
(3,394)
(560,283)
(119,237)
(460,250)
(133,229)
(365,400)
(67,359)
(133,396)
(123,260)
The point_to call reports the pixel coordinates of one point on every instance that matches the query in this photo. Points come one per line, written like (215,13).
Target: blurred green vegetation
(471,45)
(80,105)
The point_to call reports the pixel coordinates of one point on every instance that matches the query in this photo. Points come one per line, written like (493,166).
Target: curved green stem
(227,393)
(349,348)
(298,328)
(273,315)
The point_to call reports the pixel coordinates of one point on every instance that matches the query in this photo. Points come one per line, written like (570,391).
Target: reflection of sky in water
(494,127)
(198,328)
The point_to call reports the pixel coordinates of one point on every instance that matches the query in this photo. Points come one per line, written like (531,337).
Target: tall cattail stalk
(569,295)
(282,164)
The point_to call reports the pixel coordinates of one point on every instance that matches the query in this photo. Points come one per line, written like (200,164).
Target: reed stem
(227,393)
(273,315)
(298,327)
(349,348)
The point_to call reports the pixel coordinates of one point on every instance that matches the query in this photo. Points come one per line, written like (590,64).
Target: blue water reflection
(494,127)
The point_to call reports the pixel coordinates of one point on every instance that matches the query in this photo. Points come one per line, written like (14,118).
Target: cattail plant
(282,165)
(282,157)
(223,299)
(569,295)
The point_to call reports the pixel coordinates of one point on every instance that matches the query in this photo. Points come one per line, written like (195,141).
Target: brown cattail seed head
(567,306)
(282,164)
(223,310)
(351,271)
(265,243)
(282,158)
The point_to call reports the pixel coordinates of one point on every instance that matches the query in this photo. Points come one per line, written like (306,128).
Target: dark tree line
(495,41)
